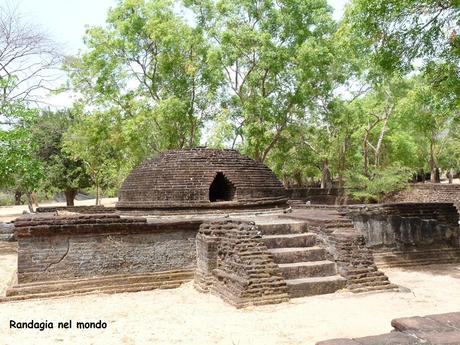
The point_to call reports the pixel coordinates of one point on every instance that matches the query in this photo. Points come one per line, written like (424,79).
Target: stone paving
(438,329)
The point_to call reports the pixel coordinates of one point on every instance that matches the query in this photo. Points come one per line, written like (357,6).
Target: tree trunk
(366,157)
(34,199)
(98,199)
(434,177)
(422,176)
(450,176)
(437,176)
(378,147)
(30,202)
(70,196)
(17,197)
(326,181)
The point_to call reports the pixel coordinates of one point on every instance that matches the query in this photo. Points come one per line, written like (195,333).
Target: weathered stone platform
(439,329)
(410,234)
(72,254)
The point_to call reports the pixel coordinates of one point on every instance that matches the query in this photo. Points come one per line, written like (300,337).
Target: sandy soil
(9,213)
(185,316)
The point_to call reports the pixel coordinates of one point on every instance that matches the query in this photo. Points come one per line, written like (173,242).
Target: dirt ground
(9,213)
(185,316)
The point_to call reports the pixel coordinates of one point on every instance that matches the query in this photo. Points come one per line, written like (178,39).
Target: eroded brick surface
(65,247)
(234,263)
(182,179)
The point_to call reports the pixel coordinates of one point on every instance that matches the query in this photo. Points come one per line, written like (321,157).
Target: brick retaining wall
(63,247)
(429,192)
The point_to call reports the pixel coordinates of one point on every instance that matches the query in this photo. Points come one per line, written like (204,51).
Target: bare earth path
(184,316)
(8,213)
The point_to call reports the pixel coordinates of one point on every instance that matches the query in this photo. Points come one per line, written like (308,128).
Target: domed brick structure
(201,179)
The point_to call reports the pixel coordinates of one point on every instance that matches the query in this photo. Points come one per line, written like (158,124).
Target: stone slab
(449,319)
(395,338)
(341,341)
(417,323)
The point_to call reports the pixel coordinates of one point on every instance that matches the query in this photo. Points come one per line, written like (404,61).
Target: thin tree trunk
(70,196)
(326,180)
(98,201)
(434,175)
(30,203)
(366,155)
(342,161)
(17,197)
(450,176)
(378,147)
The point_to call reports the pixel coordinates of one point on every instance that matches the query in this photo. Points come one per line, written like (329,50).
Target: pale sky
(66,20)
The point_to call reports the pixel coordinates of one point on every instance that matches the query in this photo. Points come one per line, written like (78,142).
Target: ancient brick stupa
(201,179)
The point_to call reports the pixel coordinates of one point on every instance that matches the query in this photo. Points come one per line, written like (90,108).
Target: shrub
(381,182)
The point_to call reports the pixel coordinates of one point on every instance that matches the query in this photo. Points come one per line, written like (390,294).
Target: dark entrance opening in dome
(221,189)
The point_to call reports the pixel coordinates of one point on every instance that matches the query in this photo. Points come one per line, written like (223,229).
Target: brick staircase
(353,257)
(347,246)
(302,262)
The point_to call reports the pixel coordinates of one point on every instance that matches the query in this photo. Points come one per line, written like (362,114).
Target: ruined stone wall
(93,209)
(320,196)
(64,247)
(182,178)
(428,192)
(234,263)
(409,225)
(7,232)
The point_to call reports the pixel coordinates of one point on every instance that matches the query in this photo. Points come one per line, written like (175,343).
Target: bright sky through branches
(66,21)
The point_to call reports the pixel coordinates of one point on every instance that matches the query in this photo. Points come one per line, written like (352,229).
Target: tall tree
(396,32)
(20,168)
(62,173)
(153,69)
(27,60)
(276,58)
(90,140)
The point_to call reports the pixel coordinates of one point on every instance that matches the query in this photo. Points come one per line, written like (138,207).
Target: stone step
(290,240)
(366,274)
(421,262)
(384,287)
(432,253)
(382,278)
(362,270)
(308,269)
(100,283)
(302,254)
(285,228)
(314,285)
(340,225)
(109,289)
(367,284)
